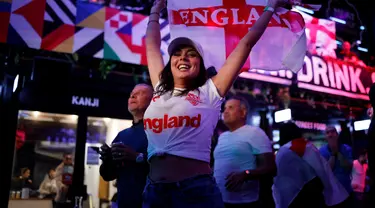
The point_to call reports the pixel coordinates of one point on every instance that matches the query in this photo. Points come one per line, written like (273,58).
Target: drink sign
(325,75)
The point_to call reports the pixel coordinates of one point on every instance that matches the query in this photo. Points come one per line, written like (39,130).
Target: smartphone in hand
(104,151)
(96,149)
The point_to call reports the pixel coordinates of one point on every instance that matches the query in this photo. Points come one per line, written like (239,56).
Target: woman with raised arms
(183,113)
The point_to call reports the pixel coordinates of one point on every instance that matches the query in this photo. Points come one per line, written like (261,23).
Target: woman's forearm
(257,30)
(153,38)
(153,43)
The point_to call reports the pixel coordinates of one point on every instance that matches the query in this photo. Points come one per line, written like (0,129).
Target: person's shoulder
(122,133)
(347,147)
(210,88)
(248,127)
(283,151)
(323,149)
(254,130)
(224,134)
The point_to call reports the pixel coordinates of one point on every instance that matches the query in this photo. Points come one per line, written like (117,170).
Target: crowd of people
(166,159)
(170,157)
(55,185)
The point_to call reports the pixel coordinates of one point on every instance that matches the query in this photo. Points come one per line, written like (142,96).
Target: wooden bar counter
(30,203)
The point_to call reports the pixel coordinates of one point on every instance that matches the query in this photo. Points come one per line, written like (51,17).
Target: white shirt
(183,125)
(359,176)
(236,151)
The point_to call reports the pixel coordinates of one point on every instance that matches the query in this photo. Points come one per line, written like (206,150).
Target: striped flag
(124,37)
(59,25)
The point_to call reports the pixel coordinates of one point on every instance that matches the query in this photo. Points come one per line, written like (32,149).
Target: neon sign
(311,125)
(85,101)
(323,74)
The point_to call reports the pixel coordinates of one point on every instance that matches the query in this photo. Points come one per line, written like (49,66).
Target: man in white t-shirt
(242,155)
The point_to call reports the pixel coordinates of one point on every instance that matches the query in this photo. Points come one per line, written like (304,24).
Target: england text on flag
(218,25)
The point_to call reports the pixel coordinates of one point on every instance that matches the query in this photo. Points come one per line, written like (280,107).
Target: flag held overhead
(218,26)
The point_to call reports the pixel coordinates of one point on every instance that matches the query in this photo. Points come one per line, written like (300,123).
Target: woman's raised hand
(158,6)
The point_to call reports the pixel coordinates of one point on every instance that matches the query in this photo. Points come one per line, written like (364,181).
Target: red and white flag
(218,26)
(298,162)
(321,35)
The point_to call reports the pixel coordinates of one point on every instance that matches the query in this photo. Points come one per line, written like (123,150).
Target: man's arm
(346,163)
(331,161)
(265,159)
(108,169)
(265,166)
(58,177)
(346,158)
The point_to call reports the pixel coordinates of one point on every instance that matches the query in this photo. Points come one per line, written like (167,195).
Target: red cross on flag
(321,36)
(218,25)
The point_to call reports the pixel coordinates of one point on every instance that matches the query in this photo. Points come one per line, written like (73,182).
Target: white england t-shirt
(236,151)
(183,125)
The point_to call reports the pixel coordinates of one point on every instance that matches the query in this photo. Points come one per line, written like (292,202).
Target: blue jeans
(196,192)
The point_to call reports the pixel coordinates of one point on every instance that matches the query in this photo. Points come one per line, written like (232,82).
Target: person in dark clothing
(22,181)
(126,159)
(371,149)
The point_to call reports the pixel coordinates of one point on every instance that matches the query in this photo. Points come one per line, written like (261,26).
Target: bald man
(126,159)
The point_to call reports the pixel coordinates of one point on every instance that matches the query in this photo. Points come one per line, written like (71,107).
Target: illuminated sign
(283,115)
(323,75)
(362,125)
(311,125)
(85,101)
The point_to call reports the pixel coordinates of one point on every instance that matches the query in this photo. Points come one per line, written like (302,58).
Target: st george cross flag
(298,162)
(218,26)
(321,36)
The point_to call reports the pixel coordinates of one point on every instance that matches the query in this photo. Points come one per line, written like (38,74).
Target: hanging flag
(321,36)
(218,26)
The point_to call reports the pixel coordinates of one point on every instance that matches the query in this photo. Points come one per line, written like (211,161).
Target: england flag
(218,26)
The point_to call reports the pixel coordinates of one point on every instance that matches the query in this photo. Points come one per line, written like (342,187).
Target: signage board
(323,74)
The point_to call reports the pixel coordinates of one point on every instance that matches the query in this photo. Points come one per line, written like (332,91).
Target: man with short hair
(243,154)
(126,159)
(64,179)
(339,157)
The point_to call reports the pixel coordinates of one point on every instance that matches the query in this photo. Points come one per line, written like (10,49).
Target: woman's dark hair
(288,132)
(167,83)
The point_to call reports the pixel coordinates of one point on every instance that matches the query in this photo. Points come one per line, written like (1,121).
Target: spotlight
(338,20)
(283,115)
(304,10)
(362,49)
